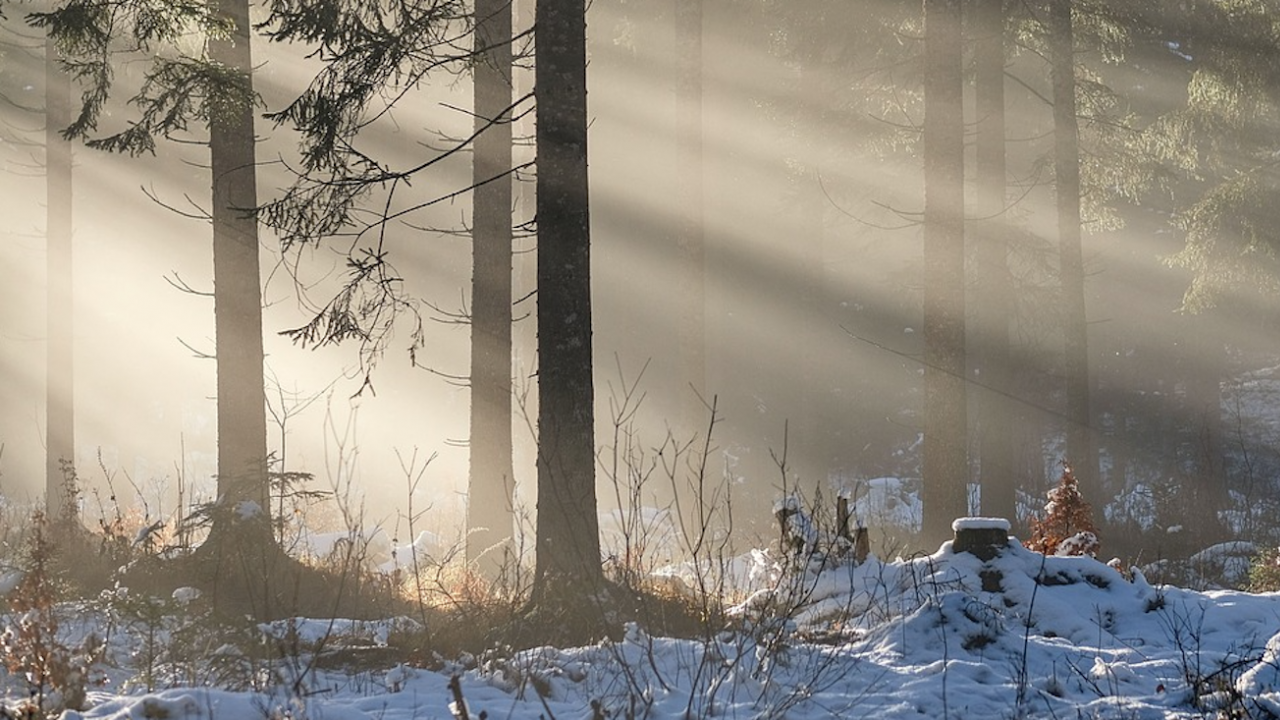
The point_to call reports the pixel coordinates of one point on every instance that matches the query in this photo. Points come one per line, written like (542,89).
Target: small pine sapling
(1067,526)
(1264,571)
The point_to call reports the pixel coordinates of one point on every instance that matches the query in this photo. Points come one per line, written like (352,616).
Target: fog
(812,193)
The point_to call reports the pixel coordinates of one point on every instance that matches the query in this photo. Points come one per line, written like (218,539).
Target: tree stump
(861,545)
(984,538)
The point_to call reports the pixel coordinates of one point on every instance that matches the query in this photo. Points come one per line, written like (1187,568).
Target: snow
(147,531)
(375,547)
(884,501)
(426,547)
(979,523)
(1082,543)
(943,635)
(397,676)
(10,580)
(313,631)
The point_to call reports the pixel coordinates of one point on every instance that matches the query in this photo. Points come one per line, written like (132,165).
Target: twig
(459,705)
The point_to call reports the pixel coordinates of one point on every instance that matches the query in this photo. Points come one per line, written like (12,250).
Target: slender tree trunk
(945,467)
(491,489)
(1082,451)
(242,425)
(691,334)
(568,571)
(994,293)
(60,447)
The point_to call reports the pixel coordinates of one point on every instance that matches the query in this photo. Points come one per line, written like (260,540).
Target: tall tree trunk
(994,292)
(490,492)
(691,333)
(945,467)
(60,446)
(242,425)
(568,572)
(1082,451)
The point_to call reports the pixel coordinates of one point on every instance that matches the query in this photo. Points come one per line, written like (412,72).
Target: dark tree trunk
(1082,451)
(242,425)
(491,489)
(60,446)
(691,289)
(568,572)
(994,291)
(945,467)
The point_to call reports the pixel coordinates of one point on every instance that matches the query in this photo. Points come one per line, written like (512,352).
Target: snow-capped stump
(397,677)
(799,535)
(980,536)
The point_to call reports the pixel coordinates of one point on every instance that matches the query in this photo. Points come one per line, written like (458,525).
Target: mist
(813,290)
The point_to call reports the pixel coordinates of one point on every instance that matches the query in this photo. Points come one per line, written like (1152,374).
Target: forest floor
(937,636)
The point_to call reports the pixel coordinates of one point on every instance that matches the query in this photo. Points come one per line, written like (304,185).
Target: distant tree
(840,93)
(365,55)
(993,291)
(213,86)
(490,494)
(807,107)
(1110,64)
(945,467)
(237,293)
(1081,442)
(370,57)
(568,575)
(1219,146)
(1212,150)
(60,445)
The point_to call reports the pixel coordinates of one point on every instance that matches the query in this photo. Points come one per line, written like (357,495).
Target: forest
(639,358)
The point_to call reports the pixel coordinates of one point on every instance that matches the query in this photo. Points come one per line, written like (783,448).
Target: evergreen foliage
(181,84)
(373,54)
(1264,571)
(1216,150)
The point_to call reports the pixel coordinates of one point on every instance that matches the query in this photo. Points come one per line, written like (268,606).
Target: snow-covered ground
(945,635)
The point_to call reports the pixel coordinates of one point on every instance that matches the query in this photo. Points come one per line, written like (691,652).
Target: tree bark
(491,488)
(1082,451)
(568,571)
(60,446)
(242,426)
(994,291)
(945,466)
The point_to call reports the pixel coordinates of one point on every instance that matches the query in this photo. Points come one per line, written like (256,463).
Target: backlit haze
(812,191)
